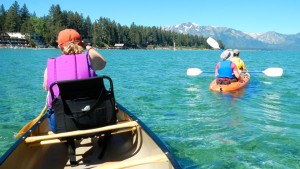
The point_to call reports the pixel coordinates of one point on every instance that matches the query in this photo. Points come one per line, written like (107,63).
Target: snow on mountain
(232,38)
(253,35)
(272,38)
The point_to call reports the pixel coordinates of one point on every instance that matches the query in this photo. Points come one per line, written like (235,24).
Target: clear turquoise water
(258,127)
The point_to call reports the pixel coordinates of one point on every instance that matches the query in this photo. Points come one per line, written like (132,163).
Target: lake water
(257,127)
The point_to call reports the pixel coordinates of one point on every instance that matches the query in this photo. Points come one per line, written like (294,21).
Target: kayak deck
(241,83)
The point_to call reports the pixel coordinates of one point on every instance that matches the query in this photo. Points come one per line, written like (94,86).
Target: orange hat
(68,35)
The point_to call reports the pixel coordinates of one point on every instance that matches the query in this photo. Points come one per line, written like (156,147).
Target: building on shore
(118,46)
(19,40)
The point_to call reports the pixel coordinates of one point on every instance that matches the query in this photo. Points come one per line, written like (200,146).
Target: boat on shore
(233,86)
(131,145)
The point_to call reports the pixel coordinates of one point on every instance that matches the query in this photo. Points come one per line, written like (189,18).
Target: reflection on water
(230,98)
(271,107)
(267,83)
(235,94)
(193,88)
(193,95)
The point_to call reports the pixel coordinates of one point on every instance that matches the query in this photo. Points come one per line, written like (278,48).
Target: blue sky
(256,16)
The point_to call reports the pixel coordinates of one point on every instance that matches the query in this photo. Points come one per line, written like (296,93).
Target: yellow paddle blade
(30,124)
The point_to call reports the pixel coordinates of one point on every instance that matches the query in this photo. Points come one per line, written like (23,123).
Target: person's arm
(216,70)
(235,70)
(236,74)
(45,80)
(243,66)
(97,60)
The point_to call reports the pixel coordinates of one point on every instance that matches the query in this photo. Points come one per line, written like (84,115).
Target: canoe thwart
(58,141)
(80,132)
(46,142)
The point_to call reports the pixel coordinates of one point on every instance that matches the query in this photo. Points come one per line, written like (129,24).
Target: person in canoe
(73,64)
(238,61)
(226,71)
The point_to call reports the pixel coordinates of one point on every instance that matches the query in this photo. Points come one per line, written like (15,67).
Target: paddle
(30,124)
(272,72)
(193,71)
(213,43)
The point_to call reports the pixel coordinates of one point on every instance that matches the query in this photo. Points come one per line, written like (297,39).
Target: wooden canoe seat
(55,137)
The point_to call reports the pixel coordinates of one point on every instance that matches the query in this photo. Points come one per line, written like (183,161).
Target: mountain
(232,38)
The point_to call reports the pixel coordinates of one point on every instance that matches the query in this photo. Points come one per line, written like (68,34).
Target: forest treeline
(101,32)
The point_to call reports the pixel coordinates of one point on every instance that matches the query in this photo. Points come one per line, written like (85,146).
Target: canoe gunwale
(155,138)
(20,140)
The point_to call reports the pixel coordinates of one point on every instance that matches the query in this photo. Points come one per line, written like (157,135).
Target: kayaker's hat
(236,52)
(68,35)
(225,55)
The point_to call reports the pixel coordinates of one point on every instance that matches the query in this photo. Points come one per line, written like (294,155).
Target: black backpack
(83,104)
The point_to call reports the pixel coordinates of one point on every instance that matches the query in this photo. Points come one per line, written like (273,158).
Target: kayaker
(238,61)
(73,64)
(226,71)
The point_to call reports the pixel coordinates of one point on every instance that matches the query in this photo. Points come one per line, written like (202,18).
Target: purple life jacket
(67,67)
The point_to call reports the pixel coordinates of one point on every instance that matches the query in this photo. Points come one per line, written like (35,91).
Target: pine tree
(26,24)
(24,14)
(87,28)
(2,18)
(13,20)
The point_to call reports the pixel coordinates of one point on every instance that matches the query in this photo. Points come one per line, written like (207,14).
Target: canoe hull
(241,83)
(131,147)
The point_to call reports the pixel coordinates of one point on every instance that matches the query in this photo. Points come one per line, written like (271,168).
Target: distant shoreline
(158,48)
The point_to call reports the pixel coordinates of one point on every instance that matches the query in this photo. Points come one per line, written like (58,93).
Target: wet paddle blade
(273,72)
(213,43)
(193,71)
